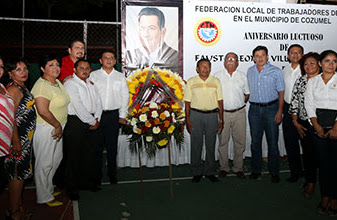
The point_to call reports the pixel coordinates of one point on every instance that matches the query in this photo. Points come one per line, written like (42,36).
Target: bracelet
(221,121)
(294,120)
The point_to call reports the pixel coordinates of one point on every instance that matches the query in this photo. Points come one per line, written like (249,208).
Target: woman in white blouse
(321,105)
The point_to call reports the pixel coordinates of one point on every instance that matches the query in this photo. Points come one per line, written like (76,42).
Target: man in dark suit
(154,51)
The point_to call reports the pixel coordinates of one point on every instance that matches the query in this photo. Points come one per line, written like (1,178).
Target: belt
(235,110)
(110,111)
(207,111)
(264,104)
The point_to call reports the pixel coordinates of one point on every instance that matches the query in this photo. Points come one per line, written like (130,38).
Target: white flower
(135,129)
(156,130)
(167,113)
(173,117)
(149,138)
(134,121)
(154,114)
(143,117)
(153,105)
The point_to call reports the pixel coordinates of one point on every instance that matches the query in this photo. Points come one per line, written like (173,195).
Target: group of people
(303,97)
(66,120)
(72,113)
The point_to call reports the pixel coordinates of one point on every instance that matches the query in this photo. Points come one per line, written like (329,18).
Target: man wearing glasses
(235,93)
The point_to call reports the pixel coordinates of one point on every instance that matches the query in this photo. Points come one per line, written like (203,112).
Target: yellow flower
(30,104)
(162,116)
(171,129)
(148,124)
(30,134)
(162,142)
(145,109)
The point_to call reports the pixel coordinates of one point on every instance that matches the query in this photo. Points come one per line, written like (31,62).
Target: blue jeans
(261,119)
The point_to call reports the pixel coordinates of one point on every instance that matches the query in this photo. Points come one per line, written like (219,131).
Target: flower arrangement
(155,110)
(138,78)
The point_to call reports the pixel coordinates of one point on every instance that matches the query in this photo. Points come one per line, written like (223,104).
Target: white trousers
(48,154)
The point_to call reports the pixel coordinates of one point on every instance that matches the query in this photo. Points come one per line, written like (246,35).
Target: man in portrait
(154,51)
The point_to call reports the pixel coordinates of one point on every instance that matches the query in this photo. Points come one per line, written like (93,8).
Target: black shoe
(113,180)
(292,179)
(254,176)
(73,196)
(213,178)
(196,179)
(275,178)
(223,173)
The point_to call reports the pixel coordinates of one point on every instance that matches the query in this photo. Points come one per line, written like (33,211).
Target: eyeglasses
(231,59)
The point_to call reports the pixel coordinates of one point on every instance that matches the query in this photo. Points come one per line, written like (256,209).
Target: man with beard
(76,52)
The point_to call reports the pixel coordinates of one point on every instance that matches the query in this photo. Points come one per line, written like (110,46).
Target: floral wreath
(155,109)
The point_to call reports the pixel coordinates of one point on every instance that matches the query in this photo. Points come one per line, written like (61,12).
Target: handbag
(326,117)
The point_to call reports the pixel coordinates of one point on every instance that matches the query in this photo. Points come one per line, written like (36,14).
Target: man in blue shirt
(266,99)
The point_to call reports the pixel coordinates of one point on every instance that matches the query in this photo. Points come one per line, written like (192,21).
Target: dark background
(93,10)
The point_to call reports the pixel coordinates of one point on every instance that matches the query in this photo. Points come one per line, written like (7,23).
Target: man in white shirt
(114,94)
(81,131)
(291,139)
(235,94)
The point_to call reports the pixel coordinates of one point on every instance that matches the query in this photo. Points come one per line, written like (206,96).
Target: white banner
(213,28)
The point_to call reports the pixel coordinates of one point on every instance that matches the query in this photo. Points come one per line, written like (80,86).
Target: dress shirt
(290,75)
(297,98)
(264,86)
(320,95)
(113,90)
(234,88)
(203,95)
(84,100)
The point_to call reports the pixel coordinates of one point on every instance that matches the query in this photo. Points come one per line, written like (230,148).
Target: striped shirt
(265,85)
(6,122)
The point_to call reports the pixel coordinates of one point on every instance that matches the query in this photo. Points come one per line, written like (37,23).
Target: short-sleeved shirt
(58,97)
(234,88)
(203,95)
(265,85)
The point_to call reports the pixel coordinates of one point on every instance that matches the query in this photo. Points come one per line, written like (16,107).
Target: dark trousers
(309,157)
(108,137)
(3,178)
(326,151)
(203,125)
(291,143)
(80,145)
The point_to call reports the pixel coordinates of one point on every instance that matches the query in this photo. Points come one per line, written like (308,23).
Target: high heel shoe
(54,204)
(56,193)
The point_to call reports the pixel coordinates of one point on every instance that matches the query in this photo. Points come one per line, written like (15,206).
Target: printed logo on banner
(207,31)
